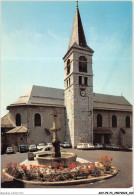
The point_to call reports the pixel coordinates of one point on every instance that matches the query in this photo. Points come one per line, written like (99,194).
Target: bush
(14,170)
(106,162)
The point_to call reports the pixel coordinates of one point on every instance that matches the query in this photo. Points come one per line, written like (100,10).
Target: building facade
(83,116)
(112,120)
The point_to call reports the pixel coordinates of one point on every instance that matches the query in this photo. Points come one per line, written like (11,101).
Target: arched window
(37,120)
(127,121)
(67,83)
(99,120)
(82,64)
(68,66)
(18,120)
(114,121)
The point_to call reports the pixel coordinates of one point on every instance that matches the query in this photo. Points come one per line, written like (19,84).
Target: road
(122,160)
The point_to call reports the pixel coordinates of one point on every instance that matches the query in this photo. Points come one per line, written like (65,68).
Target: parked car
(32,148)
(40,146)
(49,144)
(44,149)
(114,147)
(126,148)
(130,149)
(98,146)
(111,147)
(23,148)
(85,146)
(107,146)
(9,150)
(65,145)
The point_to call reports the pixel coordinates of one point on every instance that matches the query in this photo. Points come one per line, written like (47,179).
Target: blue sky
(35,37)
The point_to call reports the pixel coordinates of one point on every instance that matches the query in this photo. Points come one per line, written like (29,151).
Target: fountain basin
(47,159)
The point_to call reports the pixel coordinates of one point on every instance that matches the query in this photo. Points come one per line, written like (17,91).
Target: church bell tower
(78,84)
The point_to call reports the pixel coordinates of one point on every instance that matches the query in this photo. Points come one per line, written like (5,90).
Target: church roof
(41,96)
(77,35)
(6,121)
(111,102)
(45,96)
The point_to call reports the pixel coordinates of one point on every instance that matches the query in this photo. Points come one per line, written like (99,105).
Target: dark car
(23,148)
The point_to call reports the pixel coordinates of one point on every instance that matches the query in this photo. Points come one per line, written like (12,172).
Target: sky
(35,37)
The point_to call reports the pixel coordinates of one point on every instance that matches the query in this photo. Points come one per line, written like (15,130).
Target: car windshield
(32,146)
(22,146)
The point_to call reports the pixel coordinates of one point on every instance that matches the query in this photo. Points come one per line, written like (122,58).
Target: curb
(72,182)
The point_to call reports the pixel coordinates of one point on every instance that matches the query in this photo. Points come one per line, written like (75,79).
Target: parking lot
(122,160)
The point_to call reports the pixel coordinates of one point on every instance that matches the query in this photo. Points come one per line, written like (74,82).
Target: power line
(116,62)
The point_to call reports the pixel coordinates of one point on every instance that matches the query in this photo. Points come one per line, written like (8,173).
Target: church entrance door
(106,139)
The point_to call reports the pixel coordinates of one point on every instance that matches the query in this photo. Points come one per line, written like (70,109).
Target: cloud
(25,44)
(53,35)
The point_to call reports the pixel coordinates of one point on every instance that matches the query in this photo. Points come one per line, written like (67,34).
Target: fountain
(56,156)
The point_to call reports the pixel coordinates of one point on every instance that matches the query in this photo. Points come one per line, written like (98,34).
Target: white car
(114,147)
(40,146)
(108,146)
(85,146)
(65,145)
(9,150)
(98,146)
(130,149)
(32,148)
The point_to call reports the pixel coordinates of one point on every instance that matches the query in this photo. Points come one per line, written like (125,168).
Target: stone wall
(75,123)
(79,110)
(16,139)
(22,110)
(38,134)
(117,137)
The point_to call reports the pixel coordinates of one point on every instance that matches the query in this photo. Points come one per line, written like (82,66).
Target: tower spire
(77,35)
(77,4)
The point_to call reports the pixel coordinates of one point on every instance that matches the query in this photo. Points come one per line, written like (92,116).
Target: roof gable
(19,129)
(6,121)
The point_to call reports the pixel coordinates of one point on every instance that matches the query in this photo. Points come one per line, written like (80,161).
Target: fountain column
(55,156)
(55,142)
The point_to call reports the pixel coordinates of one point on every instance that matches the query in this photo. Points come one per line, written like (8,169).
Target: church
(82,115)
